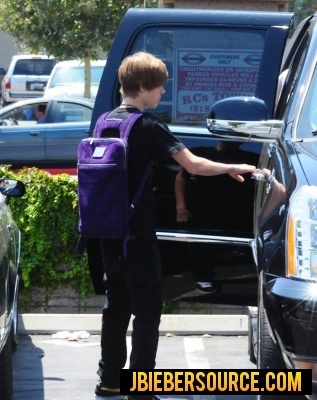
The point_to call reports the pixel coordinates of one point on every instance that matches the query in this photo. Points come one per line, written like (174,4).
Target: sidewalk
(170,323)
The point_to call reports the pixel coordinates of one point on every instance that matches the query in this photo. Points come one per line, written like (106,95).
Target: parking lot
(48,368)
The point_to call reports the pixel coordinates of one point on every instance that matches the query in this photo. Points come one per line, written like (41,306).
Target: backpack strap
(98,129)
(124,126)
(125,129)
(139,191)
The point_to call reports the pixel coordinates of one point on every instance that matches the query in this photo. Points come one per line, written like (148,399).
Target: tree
(302,9)
(66,29)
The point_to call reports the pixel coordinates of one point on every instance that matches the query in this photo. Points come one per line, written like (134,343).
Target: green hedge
(47,216)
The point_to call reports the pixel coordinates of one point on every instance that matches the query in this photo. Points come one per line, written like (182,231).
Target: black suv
(285,211)
(256,241)
(210,55)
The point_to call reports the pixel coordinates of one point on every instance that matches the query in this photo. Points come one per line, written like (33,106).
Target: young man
(133,284)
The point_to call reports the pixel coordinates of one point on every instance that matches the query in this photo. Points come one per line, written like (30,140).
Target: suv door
(209,56)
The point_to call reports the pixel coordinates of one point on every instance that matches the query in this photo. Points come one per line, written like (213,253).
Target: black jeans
(133,286)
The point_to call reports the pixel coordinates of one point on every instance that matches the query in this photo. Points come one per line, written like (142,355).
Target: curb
(178,324)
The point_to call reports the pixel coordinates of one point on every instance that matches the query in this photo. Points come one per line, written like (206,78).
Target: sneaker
(102,392)
(142,397)
(207,287)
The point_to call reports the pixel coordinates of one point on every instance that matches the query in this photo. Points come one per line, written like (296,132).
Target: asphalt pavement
(62,364)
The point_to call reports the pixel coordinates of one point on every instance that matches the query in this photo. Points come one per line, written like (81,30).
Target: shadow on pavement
(28,371)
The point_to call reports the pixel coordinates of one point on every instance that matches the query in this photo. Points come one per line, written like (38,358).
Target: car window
(96,73)
(72,75)
(226,64)
(33,67)
(307,123)
(21,116)
(71,112)
(290,78)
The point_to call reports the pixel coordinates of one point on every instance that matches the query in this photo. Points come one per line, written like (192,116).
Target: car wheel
(269,355)
(252,334)
(6,381)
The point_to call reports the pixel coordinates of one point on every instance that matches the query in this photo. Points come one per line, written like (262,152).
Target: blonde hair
(141,70)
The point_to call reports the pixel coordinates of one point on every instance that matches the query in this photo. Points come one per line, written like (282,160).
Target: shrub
(47,216)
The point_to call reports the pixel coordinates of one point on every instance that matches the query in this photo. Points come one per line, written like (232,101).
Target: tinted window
(76,74)
(25,115)
(68,112)
(226,64)
(33,67)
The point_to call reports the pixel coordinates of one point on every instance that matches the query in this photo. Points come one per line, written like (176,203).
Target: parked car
(26,77)
(51,143)
(68,79)
(10,240)
(283,327)
(262,251)
(210,55)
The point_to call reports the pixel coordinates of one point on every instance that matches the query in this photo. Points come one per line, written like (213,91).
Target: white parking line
(129,347)
(195,353)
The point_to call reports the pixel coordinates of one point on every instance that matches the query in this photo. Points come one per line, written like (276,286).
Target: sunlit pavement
(48,368)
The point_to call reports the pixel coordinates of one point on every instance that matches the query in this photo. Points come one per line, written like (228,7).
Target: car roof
(83,101)
(137,16)
(80,63)
(32,56)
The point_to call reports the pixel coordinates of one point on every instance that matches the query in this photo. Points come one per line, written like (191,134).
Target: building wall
(254,5)
(8,49)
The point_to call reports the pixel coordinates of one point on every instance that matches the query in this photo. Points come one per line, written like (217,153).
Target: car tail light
(301,235)
(7,84)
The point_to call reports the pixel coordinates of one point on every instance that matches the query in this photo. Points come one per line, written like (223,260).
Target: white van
(67,79)
(26,77)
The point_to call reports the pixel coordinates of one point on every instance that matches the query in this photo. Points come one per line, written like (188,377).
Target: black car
(285,212)
(209,55)
(255,242)
(10,242)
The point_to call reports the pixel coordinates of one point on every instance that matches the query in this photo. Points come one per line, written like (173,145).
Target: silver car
(26,77)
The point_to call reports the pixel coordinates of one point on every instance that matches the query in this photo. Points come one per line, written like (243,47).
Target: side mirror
(2,71)
(242,118)
(12,187)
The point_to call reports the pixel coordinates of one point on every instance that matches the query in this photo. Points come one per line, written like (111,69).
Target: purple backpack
(103,200)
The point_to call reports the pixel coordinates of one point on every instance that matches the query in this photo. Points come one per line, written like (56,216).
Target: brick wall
(65,300)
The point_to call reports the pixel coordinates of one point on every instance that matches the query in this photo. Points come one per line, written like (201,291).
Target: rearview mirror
(244,118)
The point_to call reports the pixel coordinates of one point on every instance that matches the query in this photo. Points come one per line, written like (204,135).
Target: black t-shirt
(150,141)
